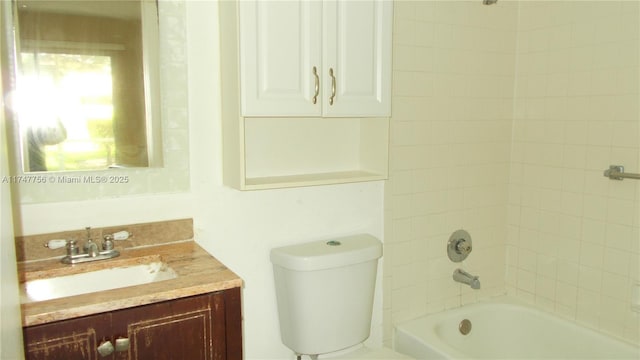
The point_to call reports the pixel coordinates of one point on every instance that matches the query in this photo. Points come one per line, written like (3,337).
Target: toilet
(325,293)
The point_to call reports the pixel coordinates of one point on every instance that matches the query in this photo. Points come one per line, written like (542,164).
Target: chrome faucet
(91,250)
(464,277)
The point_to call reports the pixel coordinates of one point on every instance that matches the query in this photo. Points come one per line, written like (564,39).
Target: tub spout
(464,277)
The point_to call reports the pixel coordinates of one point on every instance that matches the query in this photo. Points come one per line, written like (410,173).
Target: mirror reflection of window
(81,76)
(74,113)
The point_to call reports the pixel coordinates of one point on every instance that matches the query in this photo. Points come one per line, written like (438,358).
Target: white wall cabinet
(306,89)
(316,58)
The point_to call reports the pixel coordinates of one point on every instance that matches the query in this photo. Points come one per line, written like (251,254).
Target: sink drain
(464,327)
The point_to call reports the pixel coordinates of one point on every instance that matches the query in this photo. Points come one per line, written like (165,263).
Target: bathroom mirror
(86,91)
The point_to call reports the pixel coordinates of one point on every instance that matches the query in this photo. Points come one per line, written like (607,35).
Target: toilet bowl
(325,292)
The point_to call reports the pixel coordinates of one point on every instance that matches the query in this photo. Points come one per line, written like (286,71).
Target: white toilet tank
(325,292)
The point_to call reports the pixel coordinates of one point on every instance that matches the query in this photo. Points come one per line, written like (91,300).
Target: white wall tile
(583,71)
(564,76)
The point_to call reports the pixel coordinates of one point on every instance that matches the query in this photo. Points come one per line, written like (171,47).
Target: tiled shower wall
(450,150)
(573,239)
(504,118)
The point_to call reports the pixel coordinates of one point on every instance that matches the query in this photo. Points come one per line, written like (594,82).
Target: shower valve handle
(462,247)
(459,245)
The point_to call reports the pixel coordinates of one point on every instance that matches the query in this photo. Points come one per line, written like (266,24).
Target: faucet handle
(55,244)
(107,243)
(459,245)
(121,235)
(463,247)
(108,240)
(72,248)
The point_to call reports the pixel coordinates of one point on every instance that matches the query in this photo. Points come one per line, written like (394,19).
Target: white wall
(239,228)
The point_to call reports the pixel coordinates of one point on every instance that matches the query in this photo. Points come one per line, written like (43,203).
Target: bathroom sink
(95,281)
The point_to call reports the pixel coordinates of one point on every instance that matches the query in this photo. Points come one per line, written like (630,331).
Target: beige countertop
(198,273)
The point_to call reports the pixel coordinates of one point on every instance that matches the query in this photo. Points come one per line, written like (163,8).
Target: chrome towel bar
(616,172)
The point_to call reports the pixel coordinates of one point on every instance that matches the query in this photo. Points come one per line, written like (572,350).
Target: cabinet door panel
(357,46)
(75,339)
(173,330)
(181,336)
(280,43)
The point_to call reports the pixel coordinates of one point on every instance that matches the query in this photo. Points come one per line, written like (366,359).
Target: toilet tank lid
(327,254)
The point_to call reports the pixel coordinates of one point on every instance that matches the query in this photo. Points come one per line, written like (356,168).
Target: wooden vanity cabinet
(67,340)
(203,327)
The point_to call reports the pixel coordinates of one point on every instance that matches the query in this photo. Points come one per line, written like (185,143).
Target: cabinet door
(75,339)
(357,50)
(189,328)
(280,44)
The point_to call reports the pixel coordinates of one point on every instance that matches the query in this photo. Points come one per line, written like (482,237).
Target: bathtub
(505,329)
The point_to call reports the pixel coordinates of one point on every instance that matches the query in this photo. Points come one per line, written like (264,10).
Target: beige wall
(504,118)
(573,243)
